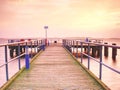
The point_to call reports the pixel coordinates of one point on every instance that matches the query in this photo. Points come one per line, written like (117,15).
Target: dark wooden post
(85,49)
(81,52)
(105,50)
(21,49)
(16,50)
(70,46)
(93,51)
(77,49)
(73,47)
(98,51)
(114,52)
(11,51)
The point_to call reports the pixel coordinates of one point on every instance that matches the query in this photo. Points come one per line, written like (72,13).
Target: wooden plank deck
(54,69)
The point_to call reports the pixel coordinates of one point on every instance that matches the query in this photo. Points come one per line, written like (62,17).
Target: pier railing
(91,50)
(24,50)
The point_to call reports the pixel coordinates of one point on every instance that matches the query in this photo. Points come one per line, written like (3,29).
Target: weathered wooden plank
(54,69)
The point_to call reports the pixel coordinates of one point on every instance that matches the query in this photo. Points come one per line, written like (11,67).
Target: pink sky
(65,18)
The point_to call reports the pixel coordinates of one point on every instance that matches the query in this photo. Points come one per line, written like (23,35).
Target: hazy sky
(65,18)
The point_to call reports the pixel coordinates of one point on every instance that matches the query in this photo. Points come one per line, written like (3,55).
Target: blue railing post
(100,71)
(88,56)
(6,62)
(81,52)
(19,63)
(27,57)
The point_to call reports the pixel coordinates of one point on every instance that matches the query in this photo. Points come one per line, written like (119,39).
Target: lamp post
(46,27)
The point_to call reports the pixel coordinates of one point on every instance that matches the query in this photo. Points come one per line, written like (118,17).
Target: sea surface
(110,78)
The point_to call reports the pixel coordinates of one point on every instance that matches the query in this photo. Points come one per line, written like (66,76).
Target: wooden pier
(55,69)
(17,49)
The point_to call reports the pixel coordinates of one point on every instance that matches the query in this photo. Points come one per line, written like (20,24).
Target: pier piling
(98,51)
(105,50)
(114,52)
(93,51)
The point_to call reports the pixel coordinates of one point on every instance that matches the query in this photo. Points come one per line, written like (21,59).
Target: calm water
(110,78)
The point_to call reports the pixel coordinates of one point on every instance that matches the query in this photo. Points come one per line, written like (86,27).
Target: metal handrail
(40,45)
(67,45)
(97,60)
(11,60)
(101,44)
